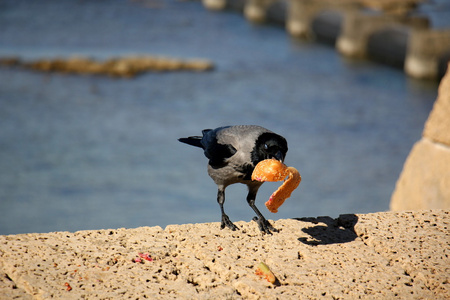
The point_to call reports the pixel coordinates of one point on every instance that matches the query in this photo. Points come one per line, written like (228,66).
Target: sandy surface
(374,256)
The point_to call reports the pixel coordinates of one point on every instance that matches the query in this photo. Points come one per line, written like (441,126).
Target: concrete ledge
(373,256)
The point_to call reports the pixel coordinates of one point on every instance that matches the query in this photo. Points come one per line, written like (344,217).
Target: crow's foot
(264,225)
(226,222)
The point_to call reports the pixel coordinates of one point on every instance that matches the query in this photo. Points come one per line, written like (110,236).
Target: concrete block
(359,26)
(215,4)
(256,10)
(425,49)
(302,13)
(425,179)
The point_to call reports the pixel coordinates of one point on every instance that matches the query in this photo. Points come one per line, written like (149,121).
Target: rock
(425,179)
(126,67)
(437,127)
(9,61)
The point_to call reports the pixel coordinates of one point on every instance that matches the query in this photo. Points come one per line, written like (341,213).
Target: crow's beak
(279,156)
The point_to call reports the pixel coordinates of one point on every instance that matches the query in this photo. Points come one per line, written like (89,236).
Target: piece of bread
(274,170)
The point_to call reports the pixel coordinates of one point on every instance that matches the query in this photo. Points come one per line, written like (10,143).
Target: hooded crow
(233,153)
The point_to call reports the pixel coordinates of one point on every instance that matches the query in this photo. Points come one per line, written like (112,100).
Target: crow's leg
(225,220)
(263,224)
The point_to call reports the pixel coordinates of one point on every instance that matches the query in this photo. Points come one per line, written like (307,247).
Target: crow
(233,153)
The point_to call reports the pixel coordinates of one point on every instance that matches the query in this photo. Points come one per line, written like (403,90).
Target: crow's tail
(192,140)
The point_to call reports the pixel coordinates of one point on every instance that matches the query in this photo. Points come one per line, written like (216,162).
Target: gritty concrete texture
(425,179)
(375,256)
(9,290)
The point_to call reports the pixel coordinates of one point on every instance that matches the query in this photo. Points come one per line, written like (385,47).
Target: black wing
(216,153)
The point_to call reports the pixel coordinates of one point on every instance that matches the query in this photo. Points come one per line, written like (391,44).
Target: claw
(226,222)
(264,225)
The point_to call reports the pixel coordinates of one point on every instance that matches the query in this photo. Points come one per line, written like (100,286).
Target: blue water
(89,152)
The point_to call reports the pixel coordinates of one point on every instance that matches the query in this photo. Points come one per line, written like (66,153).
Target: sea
(85,152)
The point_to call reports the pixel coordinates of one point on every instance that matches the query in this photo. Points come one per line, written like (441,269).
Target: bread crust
(274,170)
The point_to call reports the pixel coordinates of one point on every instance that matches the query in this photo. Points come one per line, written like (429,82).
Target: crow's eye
(266,147)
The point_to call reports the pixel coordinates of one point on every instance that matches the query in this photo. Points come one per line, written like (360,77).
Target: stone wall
(425,180)
(376,256)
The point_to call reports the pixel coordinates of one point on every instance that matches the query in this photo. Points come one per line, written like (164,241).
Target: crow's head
(269,145)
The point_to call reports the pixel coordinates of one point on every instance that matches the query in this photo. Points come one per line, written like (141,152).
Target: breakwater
(390,32)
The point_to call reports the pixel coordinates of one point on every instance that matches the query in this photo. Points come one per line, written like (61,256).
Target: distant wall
(425,180)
